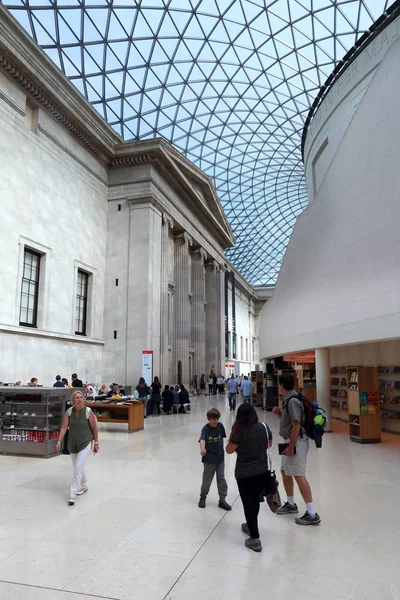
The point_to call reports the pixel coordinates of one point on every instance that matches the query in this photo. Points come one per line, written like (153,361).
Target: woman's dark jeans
(250,489)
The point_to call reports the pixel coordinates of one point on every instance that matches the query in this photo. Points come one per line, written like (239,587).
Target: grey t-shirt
(251,452)
(292,411)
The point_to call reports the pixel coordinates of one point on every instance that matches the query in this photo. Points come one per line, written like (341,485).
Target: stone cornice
(33,71)
(168,220)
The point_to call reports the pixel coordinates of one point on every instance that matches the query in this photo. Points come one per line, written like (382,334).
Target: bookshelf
(389,397)
(339,393)
(257,393)
(307,381)
(363,405)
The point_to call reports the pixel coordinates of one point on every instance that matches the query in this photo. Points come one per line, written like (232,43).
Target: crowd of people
(249,439)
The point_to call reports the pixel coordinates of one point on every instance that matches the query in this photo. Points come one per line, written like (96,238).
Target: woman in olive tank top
(83,436)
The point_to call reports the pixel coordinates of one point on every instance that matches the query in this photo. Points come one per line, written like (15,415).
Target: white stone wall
(246,329)
(339,282)
(53,199)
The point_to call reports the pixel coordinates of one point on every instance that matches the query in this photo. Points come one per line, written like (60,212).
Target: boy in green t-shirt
(212,452)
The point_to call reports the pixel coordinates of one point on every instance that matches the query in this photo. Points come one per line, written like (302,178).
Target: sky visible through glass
(228,83)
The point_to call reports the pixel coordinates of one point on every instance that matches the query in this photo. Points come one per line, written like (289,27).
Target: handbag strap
(269,457)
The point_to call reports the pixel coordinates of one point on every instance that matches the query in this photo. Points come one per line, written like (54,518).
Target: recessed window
(81,302)
(30,289)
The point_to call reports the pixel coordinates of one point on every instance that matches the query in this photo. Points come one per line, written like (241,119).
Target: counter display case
(30,420)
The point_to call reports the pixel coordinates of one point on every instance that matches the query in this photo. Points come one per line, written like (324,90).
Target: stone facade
(140,220)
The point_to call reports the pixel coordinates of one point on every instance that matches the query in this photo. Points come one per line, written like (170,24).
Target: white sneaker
(82,491)
(71,500)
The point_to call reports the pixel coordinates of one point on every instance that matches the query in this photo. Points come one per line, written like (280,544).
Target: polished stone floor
(138,533)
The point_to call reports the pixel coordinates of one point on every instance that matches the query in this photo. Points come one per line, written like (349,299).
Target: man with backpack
(294,458)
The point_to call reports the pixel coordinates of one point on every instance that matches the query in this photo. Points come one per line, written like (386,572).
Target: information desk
(132,414)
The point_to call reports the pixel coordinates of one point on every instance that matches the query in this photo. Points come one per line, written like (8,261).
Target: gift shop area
(138,533)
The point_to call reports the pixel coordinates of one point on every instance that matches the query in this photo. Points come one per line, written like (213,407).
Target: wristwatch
(97,443)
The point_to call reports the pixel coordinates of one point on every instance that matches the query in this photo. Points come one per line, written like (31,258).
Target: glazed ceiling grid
(228,83)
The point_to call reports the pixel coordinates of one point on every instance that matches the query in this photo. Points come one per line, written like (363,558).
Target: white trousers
(79,478)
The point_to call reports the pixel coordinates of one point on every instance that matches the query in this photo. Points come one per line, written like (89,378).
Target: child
(212,451)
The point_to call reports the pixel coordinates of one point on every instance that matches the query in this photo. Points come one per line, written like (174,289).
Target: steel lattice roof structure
(228,83)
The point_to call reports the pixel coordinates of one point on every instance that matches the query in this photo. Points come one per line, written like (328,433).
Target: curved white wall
(340,278)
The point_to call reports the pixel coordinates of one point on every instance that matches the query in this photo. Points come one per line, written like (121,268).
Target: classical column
(181,309)
(198,311)
(214,314)
(167,224)
(143,297)
(322,371)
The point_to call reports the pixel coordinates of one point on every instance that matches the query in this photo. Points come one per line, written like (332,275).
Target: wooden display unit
(307,381)
(257,393)
(389,396)
(130,414)
(363,405)
(339,393)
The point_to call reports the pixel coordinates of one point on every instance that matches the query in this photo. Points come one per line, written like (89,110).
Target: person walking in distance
(83,437)
(212,452)
(294,458)
(233,385)
(246,387)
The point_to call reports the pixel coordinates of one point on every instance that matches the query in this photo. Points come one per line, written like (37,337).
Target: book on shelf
(386,370)
(389,399)
(354,377)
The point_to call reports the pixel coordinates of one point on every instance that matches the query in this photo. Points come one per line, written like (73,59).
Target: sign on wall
(147,366)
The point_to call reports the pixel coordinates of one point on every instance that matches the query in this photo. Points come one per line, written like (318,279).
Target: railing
(376,28)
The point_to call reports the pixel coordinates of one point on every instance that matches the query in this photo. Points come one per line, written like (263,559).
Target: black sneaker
(253,545)
(307,519)
(287,509)
(223,504)
(245,529)
(202,503)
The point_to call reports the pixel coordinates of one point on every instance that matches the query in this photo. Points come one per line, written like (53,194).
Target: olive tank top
(80,432)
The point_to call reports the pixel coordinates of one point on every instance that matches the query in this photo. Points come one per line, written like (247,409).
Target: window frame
(78,298)
(38,255)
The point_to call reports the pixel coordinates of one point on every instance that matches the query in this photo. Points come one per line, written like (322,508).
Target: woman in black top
(168,400)
(249,439)
(155,397)
(143,390)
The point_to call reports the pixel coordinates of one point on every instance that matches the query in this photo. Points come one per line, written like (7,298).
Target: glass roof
(228,83)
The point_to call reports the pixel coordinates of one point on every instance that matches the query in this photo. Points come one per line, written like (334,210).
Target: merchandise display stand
(130,413)
(389,396)
(257,393)
(363,404)
(339,393)
(30,420)
(307,381)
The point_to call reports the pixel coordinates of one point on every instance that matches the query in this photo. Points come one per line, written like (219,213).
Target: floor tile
(126,575)
(12,591)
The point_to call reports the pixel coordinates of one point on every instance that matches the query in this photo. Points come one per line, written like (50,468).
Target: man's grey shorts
(296,465)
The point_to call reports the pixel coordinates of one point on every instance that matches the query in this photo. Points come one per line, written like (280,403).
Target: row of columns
(197,292)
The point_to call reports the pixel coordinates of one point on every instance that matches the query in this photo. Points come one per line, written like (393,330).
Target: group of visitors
(175,398)
(249,439)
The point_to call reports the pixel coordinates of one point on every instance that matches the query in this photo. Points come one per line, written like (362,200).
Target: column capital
(168,220)
(199,252)
(213,264)
(183,235)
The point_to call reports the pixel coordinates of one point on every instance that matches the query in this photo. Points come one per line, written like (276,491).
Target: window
(30,289)
(241,348)
(247,349)
(81,302)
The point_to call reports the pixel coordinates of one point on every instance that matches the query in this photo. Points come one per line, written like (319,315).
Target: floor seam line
(201,547)
(61,590)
